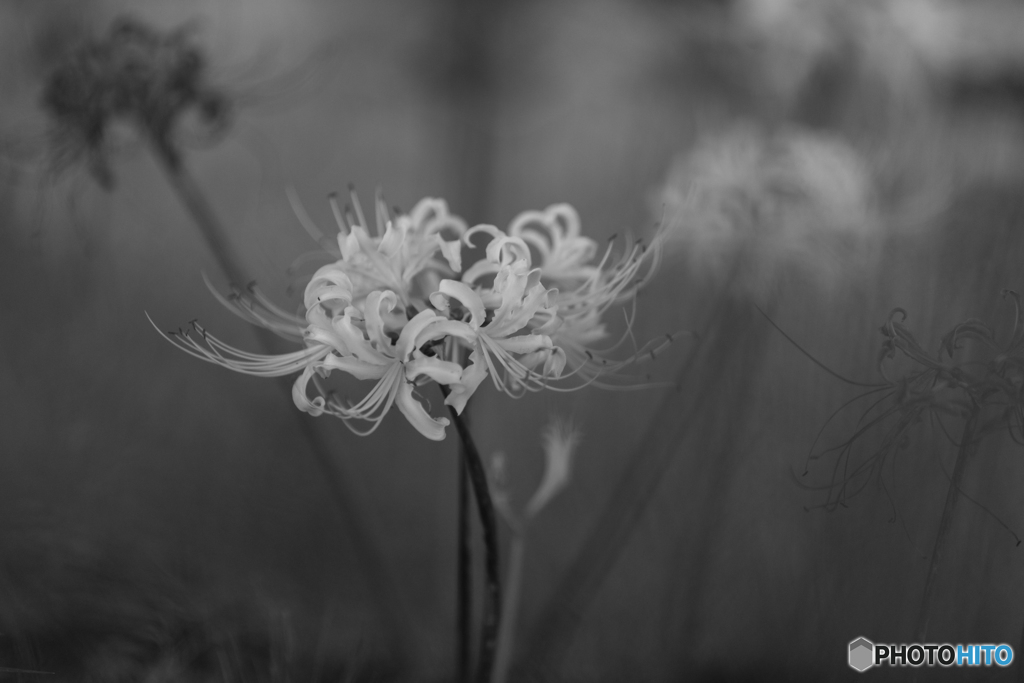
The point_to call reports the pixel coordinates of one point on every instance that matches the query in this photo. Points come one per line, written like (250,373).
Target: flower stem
(190,194)
(510,608)
(372,568)
(465,578)
(728,334)
(952,494)
(489,523)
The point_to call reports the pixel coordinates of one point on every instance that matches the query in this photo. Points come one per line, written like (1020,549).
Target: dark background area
(161,518)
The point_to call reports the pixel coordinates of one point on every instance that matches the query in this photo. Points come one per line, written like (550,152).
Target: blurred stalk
(367,557)
(945,522)
(489,524)
(468,83)
(510,608)
(728,332)
(726,394)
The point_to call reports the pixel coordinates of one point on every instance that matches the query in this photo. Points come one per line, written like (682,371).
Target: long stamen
(306,222)
(382,215)
(359,209)
(339,218)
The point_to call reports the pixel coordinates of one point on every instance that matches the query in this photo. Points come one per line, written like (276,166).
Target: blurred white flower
(750,205)
(874,38)
(561,438)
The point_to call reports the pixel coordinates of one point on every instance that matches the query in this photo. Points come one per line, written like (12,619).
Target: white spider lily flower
(396,308)
(405,254)
(394,358)
(502,336)
(579,295)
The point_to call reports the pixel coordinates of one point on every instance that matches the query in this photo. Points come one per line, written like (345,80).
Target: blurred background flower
(748,205)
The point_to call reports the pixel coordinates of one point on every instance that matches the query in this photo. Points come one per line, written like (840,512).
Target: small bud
(561,437)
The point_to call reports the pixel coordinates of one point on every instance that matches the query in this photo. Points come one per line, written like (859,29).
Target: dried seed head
(135,75)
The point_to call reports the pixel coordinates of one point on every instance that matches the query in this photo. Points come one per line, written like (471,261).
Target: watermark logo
(863,654)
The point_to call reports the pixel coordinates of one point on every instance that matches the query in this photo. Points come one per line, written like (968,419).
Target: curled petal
(560,220)
(492,230)
(452,252)
(464,294)
(407,340)
(330,284)
(394,237)
(472,376)
(507,249)
(522,298)
(480,269)
(555,234)
(501,249)
(443,327)
(375,301)
(300,395)
(525,343)
(554,364)
(354,339)
(355,367)
(441,371)
(320,330)
(418,416)
(432,214)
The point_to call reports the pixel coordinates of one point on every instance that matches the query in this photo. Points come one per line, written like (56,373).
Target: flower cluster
(397,306)
(135,74)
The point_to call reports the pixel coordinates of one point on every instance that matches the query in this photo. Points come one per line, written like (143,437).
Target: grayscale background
(162,520)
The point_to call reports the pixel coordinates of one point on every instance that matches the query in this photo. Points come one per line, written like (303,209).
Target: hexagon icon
(862,654)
